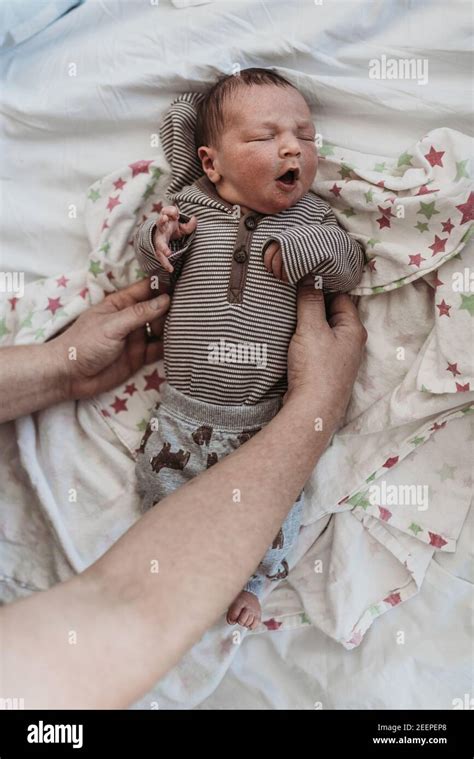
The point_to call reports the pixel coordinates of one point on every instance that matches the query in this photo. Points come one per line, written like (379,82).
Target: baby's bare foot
(245,610)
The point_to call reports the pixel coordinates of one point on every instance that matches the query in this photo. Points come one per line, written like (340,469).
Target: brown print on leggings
(170,459)
(280,575)
(202,435)
(279,540)
(211,459)
(247,434)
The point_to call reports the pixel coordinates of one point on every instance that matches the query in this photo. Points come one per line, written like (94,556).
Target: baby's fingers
(162,252)
(188,226)
(168,214)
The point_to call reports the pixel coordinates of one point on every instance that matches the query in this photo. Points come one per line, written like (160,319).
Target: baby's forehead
(254,106)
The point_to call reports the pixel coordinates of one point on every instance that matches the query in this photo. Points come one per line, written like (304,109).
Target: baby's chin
(276,200)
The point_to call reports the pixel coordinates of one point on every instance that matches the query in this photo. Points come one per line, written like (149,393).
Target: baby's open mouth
(289,177)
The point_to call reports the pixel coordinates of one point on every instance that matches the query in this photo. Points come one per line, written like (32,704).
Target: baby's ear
(207,158)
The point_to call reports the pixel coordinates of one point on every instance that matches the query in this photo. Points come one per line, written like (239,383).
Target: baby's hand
(168,228)
(273,261)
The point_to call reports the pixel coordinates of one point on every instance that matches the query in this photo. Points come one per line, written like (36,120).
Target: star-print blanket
(395,484)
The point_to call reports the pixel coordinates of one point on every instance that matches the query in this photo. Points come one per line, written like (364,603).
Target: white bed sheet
(61,132)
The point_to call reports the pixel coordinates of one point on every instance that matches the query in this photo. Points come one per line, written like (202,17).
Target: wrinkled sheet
(66,155)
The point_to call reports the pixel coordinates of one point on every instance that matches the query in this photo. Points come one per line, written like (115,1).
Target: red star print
(385,514)
(463,388)
(84,292)
(53,305)
(119,404)
(391,462)
(443,308)
(140,167)
(104,412)
(336,191)
(437,426)
(447,226)
(157,207)
(62,281)
(105,225)
(371,265)
(438,245)
(119,184)
(381,183)
(130,389)
(436,540)
(416,260)
(425,191)
(272,624)
(393,599)
(153,380)
(437,282)
(434,157)
(453,368)
(113,202)
(13,301)
(467,209)
(110,276)
(384,220)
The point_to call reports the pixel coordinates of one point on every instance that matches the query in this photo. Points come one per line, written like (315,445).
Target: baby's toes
(250,621)
(243,617)
(255,622)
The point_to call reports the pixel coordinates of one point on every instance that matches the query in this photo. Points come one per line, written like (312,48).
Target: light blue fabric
(21,19)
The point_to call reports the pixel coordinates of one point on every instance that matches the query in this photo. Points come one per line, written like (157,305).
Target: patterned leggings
(186,436)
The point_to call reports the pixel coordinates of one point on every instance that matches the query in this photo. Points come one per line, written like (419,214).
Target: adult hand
(110,341)
(325,352)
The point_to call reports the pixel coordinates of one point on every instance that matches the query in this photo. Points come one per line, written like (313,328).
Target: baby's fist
(168,227)
(273,261)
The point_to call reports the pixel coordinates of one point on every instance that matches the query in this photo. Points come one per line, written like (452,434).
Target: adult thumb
(310,304)
(131,318)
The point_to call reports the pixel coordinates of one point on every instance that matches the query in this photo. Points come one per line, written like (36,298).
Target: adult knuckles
(140,309)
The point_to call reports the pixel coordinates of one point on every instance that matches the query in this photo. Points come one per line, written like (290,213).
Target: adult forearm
(168,579)
(29,380)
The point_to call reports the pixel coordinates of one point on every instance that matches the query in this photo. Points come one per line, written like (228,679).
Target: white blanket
(387,521)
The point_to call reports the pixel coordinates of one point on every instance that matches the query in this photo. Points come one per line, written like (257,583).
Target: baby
(234,245)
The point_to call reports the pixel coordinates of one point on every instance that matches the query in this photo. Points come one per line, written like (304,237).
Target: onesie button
(250,222)
(240,256)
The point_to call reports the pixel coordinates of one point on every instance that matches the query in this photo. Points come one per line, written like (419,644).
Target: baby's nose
(291,147)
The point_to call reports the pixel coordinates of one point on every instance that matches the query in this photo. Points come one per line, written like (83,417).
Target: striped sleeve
(323,249)
(177,138)
(145,251)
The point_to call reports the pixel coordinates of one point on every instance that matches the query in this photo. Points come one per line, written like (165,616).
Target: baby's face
(269,131)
